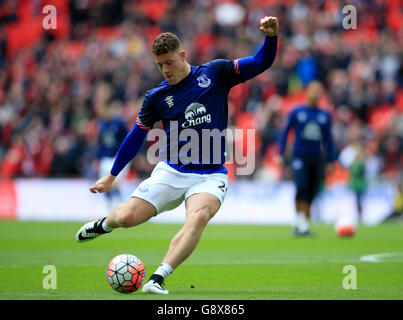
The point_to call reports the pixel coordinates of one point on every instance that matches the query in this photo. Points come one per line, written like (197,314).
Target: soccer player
(190,97)
(313,151)
(112,131)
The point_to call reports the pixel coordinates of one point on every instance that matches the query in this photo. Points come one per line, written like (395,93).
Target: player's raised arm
(250,67)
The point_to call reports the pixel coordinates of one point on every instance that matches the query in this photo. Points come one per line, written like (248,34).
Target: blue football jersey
(111,134)
(313,135)
(198,102)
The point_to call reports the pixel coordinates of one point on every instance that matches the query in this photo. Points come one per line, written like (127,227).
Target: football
(125,273)
(345,229)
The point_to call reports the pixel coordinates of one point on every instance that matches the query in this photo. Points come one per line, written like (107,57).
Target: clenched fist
(269,26)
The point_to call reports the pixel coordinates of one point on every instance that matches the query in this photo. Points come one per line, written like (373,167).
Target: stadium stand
(51,82)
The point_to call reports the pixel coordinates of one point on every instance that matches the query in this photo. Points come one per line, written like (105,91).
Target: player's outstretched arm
(104,184)
(263,59)
(127,151)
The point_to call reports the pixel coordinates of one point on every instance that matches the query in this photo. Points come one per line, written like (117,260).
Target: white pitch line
(379,256)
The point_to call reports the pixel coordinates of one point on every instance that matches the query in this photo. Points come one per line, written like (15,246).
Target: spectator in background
(11,165)
(312,127)
(353,158)
(269,123)
(3,46)
(362,71)
(307,68)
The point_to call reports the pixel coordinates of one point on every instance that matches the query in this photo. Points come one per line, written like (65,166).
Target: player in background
(112,131)
(313,151)
(353,158)
(190,97)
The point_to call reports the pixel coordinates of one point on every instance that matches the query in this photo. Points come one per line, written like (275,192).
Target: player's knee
(200,217)
(125,216)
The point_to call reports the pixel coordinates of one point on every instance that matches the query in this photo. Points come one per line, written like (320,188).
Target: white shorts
(167,188)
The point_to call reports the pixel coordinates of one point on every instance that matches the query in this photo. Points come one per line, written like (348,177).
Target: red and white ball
(125,273)
(345,229)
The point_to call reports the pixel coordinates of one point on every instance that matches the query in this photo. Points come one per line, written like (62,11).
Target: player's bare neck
(186,72)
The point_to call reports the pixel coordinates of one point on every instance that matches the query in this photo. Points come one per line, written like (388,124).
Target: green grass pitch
(231,262)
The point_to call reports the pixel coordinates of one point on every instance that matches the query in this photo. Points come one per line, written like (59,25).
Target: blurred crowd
(51,93)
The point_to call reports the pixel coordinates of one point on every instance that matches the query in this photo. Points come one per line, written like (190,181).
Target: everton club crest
(204,82)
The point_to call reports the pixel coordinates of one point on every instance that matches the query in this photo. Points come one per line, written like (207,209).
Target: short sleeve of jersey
(147,115)
(228,71)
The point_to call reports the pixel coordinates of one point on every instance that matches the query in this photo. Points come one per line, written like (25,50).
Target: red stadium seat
(154,9)
(22,35)
(74,50)
(380,117)
(394,16)
(28,29)
(109,32)
(399,100)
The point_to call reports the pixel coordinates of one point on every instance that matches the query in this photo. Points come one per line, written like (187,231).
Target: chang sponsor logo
(195,114)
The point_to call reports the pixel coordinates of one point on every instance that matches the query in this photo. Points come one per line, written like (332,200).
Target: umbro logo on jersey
(204,82)
(169,101)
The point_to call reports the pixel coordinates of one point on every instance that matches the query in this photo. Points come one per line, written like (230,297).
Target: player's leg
(203,199)
(148,199)
(302,205)
(200,208)
(129,214)
(307,193)
(164,269)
